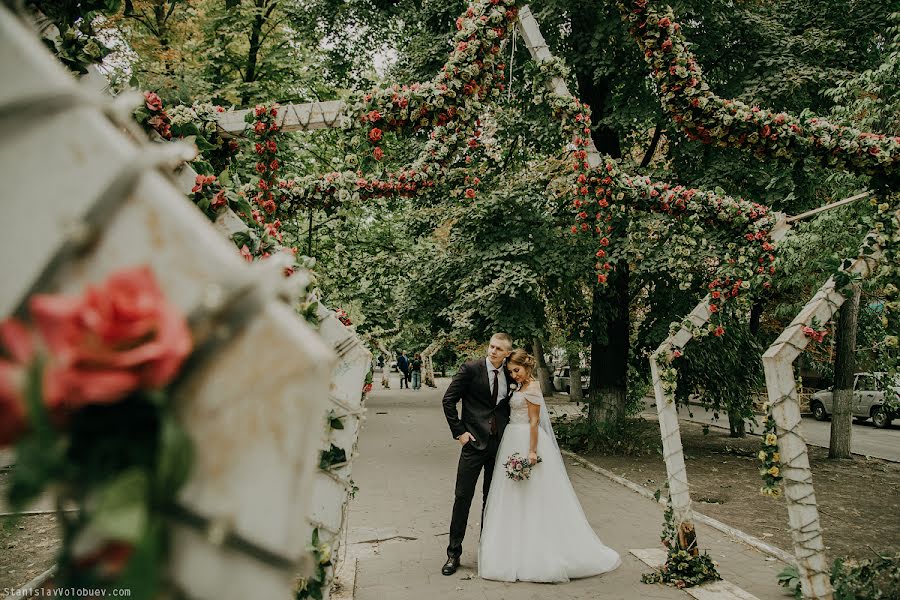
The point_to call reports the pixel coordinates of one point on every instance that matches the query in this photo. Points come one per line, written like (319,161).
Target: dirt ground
(858,499)
(27,545)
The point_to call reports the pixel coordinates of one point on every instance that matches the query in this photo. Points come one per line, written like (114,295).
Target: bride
(535,530)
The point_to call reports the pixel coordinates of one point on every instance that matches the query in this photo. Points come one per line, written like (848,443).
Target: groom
(484,387)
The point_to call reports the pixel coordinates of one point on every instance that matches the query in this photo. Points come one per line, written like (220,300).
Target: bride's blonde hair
(520,357)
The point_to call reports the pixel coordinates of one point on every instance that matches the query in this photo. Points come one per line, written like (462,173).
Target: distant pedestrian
(385,372)
(415,368)
(403,367)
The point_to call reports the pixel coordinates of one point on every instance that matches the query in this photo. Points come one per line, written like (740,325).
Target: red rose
(118,337)
(719,331)
(271,146)
(274,165)
(260,167)
(274,111)
(259,111)
(664,22)
(153,101)
(260,127)
(374,116)
(601,278)
(375,135)
(378,153)
(604,241)
(219,200)
(667,46)
(470,193)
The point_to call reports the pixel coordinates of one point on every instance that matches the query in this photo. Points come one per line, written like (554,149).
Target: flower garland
(83,396)
(770,467)
(450,104)
(722,122)
(599,199)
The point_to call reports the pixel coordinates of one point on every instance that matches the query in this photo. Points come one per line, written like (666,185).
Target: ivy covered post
(332,486)
(803,516)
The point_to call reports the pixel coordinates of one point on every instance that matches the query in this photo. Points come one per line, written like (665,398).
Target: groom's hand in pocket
(465,438)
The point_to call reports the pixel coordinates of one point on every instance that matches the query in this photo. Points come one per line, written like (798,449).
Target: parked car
(561,380)
(875,396)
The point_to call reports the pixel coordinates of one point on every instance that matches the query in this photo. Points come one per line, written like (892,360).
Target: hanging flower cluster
(770,467)
(722,122)
(264,136)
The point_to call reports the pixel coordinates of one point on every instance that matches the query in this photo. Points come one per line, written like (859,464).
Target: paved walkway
(400,517)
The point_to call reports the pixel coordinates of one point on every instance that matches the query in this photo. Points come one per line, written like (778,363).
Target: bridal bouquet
(518,468)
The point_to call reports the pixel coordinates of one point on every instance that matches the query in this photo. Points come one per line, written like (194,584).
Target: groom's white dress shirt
(501,379)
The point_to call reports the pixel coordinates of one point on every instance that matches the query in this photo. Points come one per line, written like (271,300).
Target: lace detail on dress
(518,409)
(518,406)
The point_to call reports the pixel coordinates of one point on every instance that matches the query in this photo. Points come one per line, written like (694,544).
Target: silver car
(875,396)
(561,380)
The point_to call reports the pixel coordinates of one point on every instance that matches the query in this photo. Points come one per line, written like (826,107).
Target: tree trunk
(844,368)
(541,371)
(253,52)
(736,425)
(609,354)
(574,360)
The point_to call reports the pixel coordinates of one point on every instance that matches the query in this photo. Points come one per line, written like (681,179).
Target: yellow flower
(325,554)
(762,455)
(776,457)
(771,439)
(773,471)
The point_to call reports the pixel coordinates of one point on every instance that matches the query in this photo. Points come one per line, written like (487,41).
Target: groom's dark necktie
(494,391)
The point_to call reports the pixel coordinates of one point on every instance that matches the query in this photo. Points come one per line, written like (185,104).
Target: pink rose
(118,337)
(18,344)
(153,101)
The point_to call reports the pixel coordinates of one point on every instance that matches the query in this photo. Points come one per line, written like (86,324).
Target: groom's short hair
(505,337)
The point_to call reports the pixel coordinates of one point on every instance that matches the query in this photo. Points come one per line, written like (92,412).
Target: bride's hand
(532,458)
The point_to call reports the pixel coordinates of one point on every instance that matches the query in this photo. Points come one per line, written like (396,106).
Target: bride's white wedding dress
(535,530)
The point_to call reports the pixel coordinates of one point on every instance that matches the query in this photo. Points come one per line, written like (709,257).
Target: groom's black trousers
(471,462)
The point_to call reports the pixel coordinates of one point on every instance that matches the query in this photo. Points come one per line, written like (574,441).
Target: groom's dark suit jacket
(472,386)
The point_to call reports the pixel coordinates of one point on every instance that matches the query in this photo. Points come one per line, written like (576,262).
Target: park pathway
(399,519)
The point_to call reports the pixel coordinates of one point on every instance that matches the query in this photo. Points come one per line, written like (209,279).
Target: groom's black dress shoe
(450,566)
